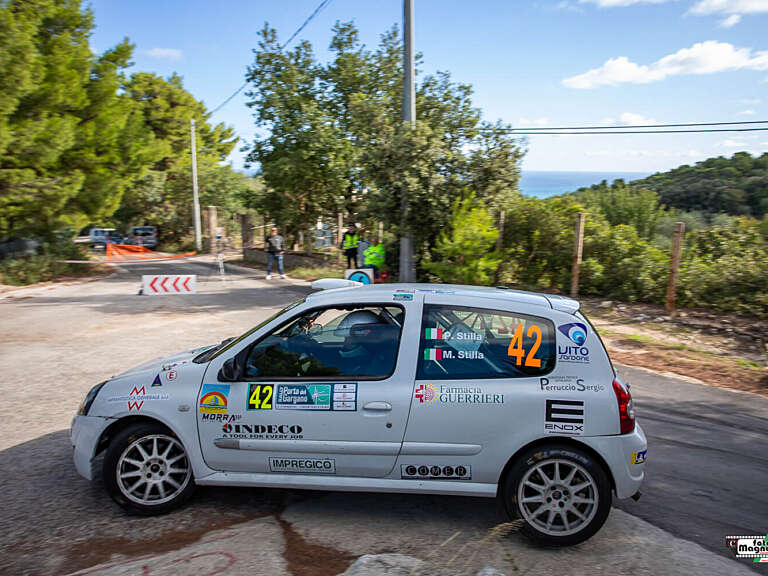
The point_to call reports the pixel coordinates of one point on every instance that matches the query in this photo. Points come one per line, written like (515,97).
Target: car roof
(552,301)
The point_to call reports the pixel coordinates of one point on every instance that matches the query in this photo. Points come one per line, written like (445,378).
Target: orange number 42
(516,350)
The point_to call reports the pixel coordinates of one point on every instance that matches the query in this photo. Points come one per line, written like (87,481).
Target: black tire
(562,502)
(156,471)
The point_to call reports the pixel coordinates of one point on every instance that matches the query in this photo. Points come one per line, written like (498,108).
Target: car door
(325,392)
(476,396)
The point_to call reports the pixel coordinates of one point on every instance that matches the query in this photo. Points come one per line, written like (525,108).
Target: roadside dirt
(725,350)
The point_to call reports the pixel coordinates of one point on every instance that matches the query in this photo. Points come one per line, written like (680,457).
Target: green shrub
(45,266)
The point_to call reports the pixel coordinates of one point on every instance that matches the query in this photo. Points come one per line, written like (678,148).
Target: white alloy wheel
(558,497)
(153,470)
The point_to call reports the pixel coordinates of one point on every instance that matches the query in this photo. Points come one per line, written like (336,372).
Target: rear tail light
(626,409)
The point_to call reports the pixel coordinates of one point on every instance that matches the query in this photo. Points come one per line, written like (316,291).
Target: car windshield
(211,353)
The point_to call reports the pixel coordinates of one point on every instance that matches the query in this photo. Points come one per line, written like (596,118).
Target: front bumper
(84,434)
(618,452)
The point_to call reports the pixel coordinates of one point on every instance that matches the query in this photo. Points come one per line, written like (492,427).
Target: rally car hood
(163,362)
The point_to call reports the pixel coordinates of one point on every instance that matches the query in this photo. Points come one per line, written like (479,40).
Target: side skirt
(349,484)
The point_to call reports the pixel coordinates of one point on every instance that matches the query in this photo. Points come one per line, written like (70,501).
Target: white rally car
(410,388)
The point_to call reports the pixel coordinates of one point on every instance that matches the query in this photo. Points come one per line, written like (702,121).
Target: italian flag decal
(433,333)
(433,354)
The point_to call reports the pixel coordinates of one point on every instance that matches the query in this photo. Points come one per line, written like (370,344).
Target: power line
(317,11)
(514,132)
(537,129)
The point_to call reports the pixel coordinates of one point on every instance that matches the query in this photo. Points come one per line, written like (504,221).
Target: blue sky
(542,63)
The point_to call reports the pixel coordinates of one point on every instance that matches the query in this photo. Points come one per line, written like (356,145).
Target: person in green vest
(349,245)
(373,257)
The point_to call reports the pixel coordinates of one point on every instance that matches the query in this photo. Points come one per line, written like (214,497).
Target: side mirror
(228,372)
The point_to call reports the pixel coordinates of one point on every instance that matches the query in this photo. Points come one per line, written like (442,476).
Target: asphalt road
(706,464)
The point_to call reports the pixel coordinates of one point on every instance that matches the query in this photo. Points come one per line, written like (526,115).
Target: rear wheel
(561,492)
(147,471)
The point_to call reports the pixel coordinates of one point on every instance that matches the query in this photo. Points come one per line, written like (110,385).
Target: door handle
(382,406)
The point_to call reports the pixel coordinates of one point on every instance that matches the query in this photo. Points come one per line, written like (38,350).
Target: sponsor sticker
(262,431)
(303,465)
(213,398)
(340,396)
(567,384)
(574,352)
(221,417)
(157,382)
(172,375)
(402,297)
(754,547)
(431,394)
(435,472)
(136,397)
(259,397)
(564,417)
(639,457)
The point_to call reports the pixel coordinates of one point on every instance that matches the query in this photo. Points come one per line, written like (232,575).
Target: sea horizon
(545,183)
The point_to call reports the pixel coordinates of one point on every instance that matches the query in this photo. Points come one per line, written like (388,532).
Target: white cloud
(632,119)
(568,6)
(701,58)
(735,9)
(730,7)
(172,54)
(748,112)
(536,122)
(620,3)
(730,21)
(731,143)
(628,119)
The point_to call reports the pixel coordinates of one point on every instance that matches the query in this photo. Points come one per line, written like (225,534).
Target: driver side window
(357,342)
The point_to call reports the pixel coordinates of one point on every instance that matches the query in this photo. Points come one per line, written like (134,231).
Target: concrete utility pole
(407,271)
(196,200)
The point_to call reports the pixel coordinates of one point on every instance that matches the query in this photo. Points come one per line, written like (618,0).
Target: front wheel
(147,471)
(561,492)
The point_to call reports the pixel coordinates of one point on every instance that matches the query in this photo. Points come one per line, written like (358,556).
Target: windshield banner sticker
(340,397)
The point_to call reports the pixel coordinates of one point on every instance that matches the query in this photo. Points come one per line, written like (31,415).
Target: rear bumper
(84,434)
(621,453)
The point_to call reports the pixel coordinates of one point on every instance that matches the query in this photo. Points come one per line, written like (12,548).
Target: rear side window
(459,342)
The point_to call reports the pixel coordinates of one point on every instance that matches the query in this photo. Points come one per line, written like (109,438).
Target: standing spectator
(349,245)
(275,251)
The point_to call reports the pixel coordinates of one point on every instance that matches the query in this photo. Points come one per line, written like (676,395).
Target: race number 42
(518,352)
(260,396)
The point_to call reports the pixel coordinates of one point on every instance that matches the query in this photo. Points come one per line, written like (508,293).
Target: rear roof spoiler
(331,283)
(563,304)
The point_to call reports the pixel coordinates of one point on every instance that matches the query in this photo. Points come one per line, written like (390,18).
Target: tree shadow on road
(56,522)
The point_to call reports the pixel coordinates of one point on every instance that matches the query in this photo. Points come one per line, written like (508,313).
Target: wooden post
(340,228)
(380,237)
(211,223)
(500,227)
(578,246)
(674,266)
(246,230)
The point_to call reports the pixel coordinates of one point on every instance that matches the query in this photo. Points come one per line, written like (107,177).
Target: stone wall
(291,260)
